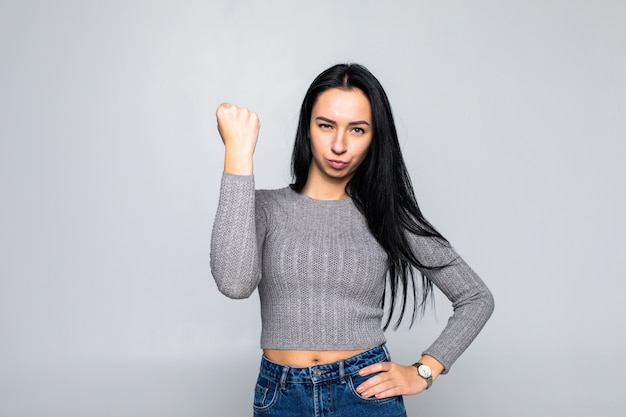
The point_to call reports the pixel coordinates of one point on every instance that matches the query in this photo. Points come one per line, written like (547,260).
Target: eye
(324,126)
(358,130)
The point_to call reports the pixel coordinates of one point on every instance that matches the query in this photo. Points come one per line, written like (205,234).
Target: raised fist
(239,128)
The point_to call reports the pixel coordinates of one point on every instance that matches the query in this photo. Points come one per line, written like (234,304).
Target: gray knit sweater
(321,274)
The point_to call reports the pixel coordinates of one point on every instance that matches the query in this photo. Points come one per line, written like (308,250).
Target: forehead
(342,105)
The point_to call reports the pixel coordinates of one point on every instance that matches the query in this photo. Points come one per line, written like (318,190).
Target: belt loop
(283,377)
(342,375)
(384,346)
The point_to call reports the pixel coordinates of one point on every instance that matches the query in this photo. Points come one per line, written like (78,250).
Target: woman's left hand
(393,379)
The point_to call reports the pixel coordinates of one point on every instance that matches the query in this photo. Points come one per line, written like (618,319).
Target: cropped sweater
(321,274)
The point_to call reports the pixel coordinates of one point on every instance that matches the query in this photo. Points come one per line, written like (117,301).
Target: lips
(337,164)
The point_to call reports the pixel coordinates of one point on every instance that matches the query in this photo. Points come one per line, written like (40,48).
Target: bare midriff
(304,358)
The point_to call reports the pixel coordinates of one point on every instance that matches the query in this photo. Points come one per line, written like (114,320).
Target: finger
(223,108)
(373,385)
(392,392)
(377,367)
(379,387)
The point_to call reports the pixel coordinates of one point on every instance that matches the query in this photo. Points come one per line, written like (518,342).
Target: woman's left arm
(472,304)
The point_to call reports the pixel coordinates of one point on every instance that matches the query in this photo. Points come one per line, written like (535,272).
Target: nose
(338,145)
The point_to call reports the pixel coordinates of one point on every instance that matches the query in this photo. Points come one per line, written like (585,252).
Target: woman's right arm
(234,249)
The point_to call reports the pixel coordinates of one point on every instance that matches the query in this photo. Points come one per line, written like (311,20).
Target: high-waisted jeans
(327,390)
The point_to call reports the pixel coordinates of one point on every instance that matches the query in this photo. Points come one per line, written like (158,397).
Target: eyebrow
(358,122)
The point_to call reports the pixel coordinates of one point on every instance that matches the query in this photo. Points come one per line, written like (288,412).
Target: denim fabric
(327,390)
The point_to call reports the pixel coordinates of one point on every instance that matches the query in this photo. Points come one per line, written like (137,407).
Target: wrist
(435,366)
(238,163)
(424,372)
(428,366)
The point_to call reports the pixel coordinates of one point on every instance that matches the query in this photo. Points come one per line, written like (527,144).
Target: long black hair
(380,188)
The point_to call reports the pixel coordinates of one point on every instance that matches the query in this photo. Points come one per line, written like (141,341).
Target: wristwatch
(425,372)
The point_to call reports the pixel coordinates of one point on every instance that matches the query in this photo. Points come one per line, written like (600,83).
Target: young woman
(334,254)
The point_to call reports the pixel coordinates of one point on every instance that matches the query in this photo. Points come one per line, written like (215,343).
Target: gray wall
(511,116)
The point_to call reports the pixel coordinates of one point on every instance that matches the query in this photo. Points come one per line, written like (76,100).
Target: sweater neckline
(313,201)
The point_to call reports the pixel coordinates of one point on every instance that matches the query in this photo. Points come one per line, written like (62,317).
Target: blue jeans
(327,390)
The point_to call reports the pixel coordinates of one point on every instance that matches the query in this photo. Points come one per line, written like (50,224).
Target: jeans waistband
(323,372)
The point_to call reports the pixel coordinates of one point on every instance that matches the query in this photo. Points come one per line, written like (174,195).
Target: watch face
(424,371)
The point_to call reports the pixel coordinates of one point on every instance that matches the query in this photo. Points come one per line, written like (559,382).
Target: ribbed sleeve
(472,302)
(234,250)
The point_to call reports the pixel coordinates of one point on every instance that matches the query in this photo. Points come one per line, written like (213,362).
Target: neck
(324,188)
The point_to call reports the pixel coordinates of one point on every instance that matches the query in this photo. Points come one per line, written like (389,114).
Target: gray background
(511,116)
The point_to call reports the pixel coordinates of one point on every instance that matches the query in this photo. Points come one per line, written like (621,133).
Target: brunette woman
(323,250)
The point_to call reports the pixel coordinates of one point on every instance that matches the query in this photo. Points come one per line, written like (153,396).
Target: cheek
(364,150)
(315,145)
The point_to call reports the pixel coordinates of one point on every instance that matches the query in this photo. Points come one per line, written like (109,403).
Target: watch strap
(429,379)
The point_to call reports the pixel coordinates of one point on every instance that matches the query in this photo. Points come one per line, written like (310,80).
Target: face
(340,134)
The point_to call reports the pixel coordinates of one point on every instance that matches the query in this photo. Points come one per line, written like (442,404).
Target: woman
(321,251)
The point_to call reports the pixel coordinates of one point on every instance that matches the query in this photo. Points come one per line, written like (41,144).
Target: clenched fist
(239,129)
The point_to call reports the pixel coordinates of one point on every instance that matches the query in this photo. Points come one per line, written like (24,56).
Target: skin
(340,134)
